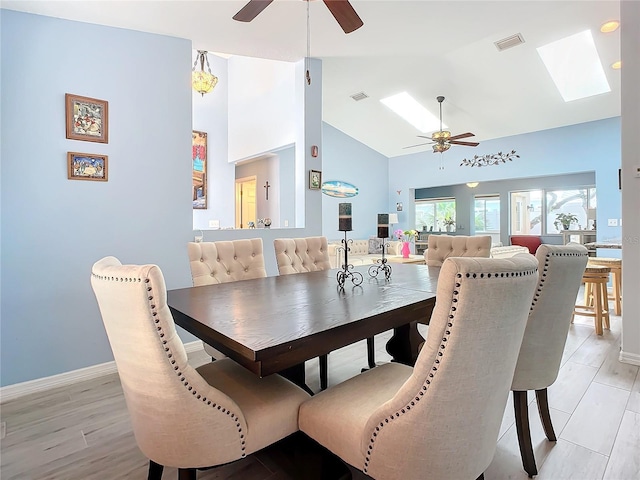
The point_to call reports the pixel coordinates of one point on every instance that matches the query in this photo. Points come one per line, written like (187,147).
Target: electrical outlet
(286,223)
(612,222)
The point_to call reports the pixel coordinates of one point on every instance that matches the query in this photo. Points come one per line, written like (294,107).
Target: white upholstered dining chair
(225,261)
(441,418)
(441,247)
(560,274)
(184,417)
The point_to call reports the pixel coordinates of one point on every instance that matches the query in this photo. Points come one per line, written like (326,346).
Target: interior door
(245,201)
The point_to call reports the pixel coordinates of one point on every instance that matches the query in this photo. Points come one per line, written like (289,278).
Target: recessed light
(610,26)
(617,65)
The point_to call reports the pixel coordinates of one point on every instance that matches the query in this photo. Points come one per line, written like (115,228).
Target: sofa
(359,254)
(363,252)
(507,251)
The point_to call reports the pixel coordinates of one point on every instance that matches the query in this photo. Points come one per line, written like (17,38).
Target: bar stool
(615,264)
(595,279)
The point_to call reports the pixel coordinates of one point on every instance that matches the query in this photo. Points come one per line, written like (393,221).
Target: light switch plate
(214,223)
(612,222)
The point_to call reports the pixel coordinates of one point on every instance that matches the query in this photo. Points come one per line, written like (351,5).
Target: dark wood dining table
(274,324)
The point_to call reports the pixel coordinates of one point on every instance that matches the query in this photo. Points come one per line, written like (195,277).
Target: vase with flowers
(448,223)
(405,236)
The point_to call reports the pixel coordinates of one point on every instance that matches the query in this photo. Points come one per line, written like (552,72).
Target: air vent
(509,42)
(359,96)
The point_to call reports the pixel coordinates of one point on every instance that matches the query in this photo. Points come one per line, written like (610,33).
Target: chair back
(441,247)
(299,255)
(559,278)
(176,415)
(227,261)
(532,242)
(446,417)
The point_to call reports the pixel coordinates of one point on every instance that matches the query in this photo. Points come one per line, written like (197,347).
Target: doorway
(245,201)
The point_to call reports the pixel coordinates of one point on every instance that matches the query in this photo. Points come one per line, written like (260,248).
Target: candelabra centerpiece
(344,225)
(381,265)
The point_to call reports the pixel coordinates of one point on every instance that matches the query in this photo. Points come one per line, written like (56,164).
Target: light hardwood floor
(83,431)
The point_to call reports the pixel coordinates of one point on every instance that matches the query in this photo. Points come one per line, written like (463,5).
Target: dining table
(274,324)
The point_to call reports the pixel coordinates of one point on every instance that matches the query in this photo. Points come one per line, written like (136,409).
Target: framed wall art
(199,162)
(315,179)
(87,118)
(87,166)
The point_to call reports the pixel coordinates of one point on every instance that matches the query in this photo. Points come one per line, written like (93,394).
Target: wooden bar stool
(596,305)
(615,264)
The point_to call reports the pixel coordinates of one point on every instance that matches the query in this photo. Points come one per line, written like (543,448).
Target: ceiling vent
(359,96)
(509,42)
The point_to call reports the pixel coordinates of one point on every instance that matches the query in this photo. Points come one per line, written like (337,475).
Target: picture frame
(87,166)
(87,118)
(315,179)
(199,166)
(398,206)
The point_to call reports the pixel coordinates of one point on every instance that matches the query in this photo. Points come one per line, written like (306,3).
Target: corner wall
(54,229)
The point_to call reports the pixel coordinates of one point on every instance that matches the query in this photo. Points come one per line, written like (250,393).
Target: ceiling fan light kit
(442,139)
(489,159)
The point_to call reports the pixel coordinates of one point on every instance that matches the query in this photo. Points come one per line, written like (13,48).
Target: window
(431,214)
(487,216)
(534,212)
(574,202)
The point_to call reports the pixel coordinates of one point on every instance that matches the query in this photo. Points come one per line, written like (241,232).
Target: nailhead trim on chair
(434,368)
(172,361)
(544,274)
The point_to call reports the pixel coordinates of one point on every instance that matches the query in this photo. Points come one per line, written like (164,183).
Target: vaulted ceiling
(426,48)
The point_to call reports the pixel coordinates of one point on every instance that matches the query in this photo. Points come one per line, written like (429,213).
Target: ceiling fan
(341,10)
(442,139)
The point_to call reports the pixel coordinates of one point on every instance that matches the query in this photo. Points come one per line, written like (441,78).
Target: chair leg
(524,434)
(371,352)
(155,471)
(324,367)
(187,474)
(545,417)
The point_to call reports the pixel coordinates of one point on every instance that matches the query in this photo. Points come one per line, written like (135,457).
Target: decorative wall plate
(336,188)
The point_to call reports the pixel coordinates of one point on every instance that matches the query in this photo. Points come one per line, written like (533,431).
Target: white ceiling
(427,48)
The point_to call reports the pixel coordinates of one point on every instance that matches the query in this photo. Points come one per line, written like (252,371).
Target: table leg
(405,343)
(296,375)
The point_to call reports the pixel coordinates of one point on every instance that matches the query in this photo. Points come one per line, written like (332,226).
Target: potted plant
(448,223)
(565,219)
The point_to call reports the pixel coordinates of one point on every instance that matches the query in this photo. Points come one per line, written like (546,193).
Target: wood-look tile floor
(83,431)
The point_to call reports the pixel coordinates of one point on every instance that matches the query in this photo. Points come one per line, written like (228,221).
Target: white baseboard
(11,392)
(630,358)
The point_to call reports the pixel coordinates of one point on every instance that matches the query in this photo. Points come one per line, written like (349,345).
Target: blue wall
(54,229)
(592,146)
(346,159)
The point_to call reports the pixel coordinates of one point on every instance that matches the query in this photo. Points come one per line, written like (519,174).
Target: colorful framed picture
(87,118)
(199,162)
(315,179)
(86,166)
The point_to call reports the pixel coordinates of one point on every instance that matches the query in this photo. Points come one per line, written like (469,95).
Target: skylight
(409,109)
(575,67)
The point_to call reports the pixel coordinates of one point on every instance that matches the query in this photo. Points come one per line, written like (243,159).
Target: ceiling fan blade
(468,144)
(251,10)
(419,145)
(344,14)
(424,136)
(462,135)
